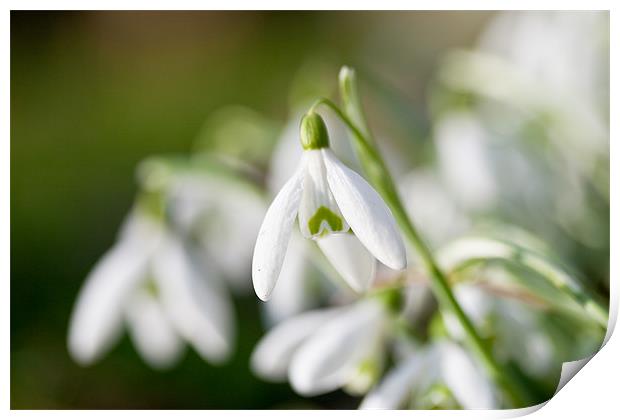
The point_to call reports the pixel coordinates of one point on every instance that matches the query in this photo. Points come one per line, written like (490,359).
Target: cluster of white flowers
(200,233)
(347,346)
(164,285)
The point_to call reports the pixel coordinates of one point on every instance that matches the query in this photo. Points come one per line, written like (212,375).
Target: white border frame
(593,392)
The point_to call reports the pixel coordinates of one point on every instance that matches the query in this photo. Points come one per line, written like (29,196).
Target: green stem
(377,172)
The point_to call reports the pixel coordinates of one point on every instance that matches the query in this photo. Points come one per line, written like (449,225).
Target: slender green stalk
(376,170)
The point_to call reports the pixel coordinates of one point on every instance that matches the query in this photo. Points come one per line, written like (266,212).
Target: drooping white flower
(149,282)
(431,206)
(303,279)
(548,70)
(209,202)
(464,160)
(328,199)
(322,350)
(520,332)
(99,311)
(442,362)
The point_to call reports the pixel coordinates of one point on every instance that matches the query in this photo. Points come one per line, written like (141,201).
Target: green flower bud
(313,132)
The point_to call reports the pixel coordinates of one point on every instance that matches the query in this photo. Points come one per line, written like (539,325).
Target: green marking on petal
(151,288)
(323,213)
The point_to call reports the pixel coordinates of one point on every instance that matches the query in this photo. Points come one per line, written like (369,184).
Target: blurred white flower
(223,215)
(433,210)
(559,50)
(328,197)
(464,161)
(441,362)
(149,281)
(325,349)
(547,71)
(518,333)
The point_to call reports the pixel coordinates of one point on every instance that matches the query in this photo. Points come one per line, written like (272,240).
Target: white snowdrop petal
(366,213)
(396,386)
(96,321)
(274,236)
(328,359)
(318,211)
(151,331)
(272,355)
(349,257)
(291,297)
(200,311)
(466,381)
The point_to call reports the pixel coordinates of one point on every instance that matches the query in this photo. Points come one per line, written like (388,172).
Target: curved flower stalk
(325,349)
(329,199)
(438,375)
(149,282)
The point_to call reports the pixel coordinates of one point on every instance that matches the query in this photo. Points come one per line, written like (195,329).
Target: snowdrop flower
(426,367)
(325,349)
(328,198)
(149,282)
(223,214)
(301,285)
(302,277)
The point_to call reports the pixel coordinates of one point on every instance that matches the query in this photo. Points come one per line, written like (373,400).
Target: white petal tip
(82,359)
(305,385)
(264,296)
(399,259)
(399,266)
(263,293)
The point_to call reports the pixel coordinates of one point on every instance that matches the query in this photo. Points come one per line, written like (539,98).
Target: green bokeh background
(92,93)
